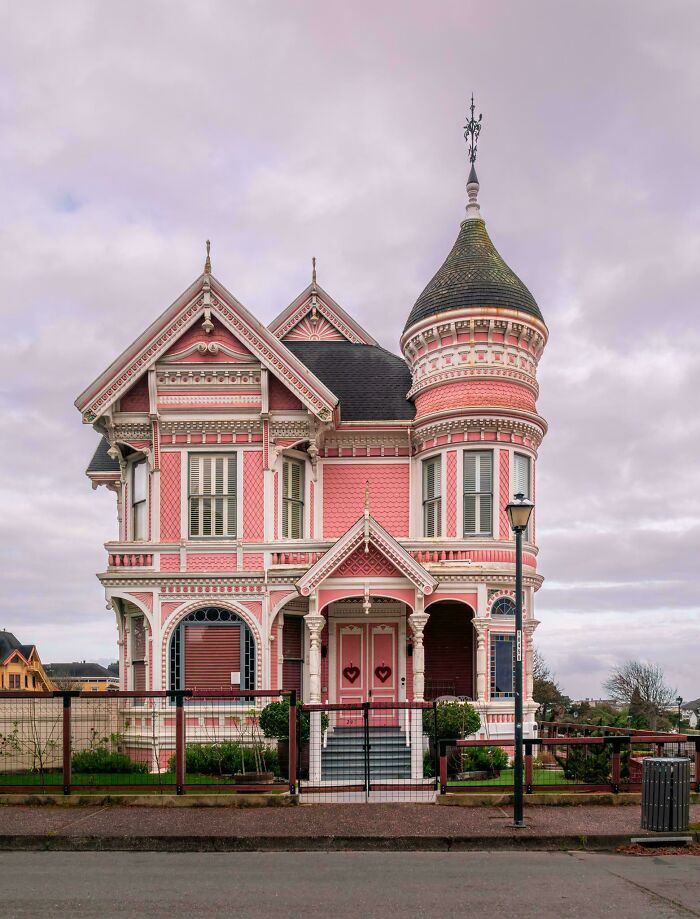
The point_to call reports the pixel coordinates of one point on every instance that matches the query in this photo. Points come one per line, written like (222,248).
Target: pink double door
(367,666)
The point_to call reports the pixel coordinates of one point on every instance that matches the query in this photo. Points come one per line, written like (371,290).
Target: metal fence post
(179,744)
(697,763)
(443,767)
(67,742)
(436,758)
(528,766)
(365,725)
(292,752)
(616,764)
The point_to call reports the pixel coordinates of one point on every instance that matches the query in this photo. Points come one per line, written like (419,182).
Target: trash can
(665,793)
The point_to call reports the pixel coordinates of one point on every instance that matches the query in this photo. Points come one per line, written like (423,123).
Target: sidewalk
(330,827)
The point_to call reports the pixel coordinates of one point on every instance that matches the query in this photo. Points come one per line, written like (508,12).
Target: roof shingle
(473,276)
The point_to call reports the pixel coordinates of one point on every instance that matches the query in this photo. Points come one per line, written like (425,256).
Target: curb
(325,843)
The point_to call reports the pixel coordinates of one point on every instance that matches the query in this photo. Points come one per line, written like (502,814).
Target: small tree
(545,690)
(454,719)
(641,686)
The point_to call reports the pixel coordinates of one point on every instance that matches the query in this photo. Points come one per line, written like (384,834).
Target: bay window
(292,499)
(139,500)
(212,495)
(502,666)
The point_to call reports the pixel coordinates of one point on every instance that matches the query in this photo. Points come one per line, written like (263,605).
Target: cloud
(133,132)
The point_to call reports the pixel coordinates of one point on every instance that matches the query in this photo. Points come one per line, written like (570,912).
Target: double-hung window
(522,479)
(432,497)
(212,495)
(292,499)
(139,500)
(502,666)
(478,493)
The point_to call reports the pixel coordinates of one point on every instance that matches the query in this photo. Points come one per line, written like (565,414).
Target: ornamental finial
(367,498)
(207,261)
(313,270)
(472,129)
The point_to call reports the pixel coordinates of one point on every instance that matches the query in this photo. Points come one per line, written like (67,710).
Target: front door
(367,664)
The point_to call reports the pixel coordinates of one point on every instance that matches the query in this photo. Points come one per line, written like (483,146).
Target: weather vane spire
(472,129)
(207,261)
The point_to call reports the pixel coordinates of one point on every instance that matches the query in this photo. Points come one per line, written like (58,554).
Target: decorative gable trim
(203,297)
(368,532)
(315,297)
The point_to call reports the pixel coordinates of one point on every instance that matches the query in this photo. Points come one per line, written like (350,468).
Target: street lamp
(519,512)
(679,702)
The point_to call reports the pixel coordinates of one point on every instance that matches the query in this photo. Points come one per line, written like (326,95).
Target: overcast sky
(130,132)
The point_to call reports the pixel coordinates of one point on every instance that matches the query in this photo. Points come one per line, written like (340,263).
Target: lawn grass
(539,777)
(122,779)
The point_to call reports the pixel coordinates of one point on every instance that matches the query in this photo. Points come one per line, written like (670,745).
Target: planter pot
(254,778)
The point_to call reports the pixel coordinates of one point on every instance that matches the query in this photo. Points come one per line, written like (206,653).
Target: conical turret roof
(473,276)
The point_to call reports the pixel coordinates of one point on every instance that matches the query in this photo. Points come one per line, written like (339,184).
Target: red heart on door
(382,673)
(351,673)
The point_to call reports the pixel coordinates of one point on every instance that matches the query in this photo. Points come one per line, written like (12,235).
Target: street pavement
(348,884)
(344,884)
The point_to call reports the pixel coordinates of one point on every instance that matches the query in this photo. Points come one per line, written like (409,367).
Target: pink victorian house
(300,508)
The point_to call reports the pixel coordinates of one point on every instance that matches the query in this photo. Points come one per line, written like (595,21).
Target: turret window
(522,479)
(478,493)
(432,497)
(292,499)
(212,495)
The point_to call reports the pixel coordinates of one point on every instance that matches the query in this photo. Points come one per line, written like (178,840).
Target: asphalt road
(344,884)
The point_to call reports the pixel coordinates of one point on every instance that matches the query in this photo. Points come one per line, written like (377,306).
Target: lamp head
(519,511)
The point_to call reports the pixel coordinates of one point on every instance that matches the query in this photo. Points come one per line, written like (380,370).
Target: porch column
(315,623)
(481,681)
(530,707)
(418,621)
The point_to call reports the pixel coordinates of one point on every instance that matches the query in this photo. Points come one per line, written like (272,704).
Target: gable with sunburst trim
(315,316)
(370,538)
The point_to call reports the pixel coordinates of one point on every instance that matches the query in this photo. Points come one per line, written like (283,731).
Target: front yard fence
(168,742)
(611,763)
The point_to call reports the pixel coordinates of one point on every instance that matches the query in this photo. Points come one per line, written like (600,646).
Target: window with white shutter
(292,499)
(521,476)
(432,497)
(212,495)
(478,493)
(139,500)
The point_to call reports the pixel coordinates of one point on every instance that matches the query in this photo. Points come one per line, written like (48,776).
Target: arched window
(213,649)
(504,606)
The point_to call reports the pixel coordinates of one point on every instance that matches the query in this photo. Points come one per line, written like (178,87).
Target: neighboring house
(20,666)
(83,676)
(300,508)
(691,713)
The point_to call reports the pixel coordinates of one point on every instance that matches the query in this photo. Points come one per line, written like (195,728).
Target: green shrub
(454,719)
(102,760)
(485,759)
(274,721)
(428,765)
(588,765)
(228,758)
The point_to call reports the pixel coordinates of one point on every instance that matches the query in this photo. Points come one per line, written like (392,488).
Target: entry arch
(448,640)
